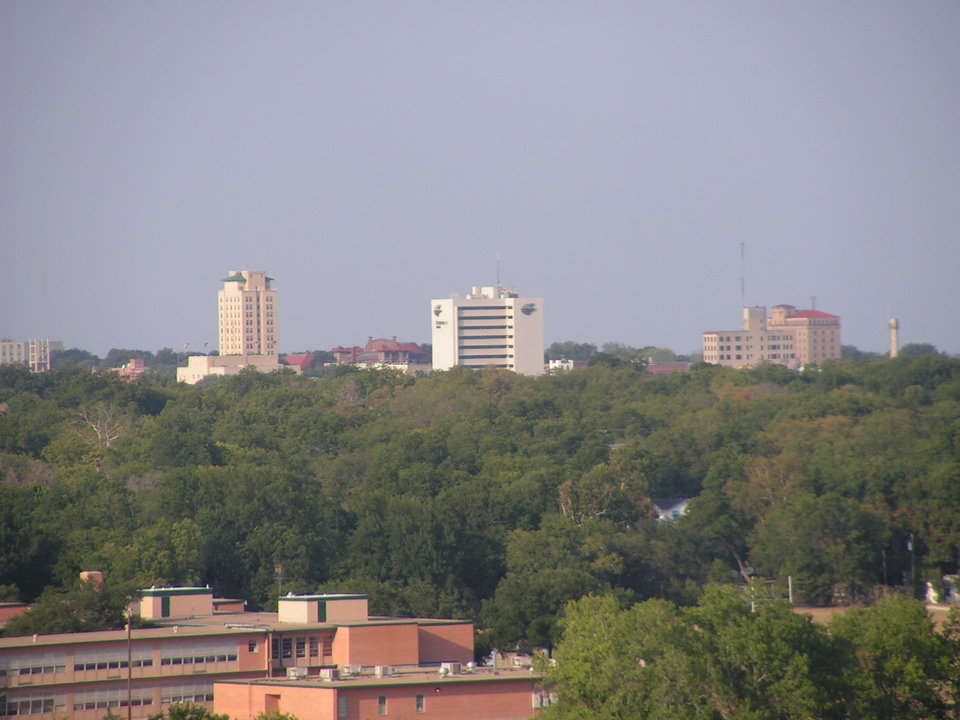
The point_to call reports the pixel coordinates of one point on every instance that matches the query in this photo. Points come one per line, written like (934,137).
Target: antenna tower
(743,285)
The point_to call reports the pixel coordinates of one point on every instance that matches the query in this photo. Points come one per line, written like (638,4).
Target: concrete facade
(34,354)
(791,337)
(490,326)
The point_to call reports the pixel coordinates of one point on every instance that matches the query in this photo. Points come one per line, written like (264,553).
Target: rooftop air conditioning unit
(329,674)
(452,668)
(382,671)
(296,673)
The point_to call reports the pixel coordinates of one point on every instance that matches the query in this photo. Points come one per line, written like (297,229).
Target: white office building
(490,326)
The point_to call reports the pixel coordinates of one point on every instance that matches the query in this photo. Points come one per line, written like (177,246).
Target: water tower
(894,326)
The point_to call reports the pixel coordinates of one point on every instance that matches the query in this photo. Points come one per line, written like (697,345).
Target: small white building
(200,366)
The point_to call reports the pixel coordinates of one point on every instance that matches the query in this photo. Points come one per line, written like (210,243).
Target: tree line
(747,655)
(484,495)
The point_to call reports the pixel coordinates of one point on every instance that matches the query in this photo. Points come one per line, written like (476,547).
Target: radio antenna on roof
(743,284)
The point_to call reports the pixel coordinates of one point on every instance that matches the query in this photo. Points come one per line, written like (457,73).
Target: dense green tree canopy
(744,655)
(485,494)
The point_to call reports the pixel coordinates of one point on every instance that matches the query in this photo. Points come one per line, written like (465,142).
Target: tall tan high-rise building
(249,329)
(490,326)
(249,314)
(790,337)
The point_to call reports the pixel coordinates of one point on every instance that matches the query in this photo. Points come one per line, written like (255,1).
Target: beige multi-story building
(490,326)
(249,314)
(816,334)
(34,354)
(791,337)
(249,323)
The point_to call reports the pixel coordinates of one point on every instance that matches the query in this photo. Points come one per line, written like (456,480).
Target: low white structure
(200,366)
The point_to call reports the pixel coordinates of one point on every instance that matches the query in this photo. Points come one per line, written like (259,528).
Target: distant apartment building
(491,326)
(323,649)
(33,354)
(249,329)
(791,337)
(382,352)
(137,367)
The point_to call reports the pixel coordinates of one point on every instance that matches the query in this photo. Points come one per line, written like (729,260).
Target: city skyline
(372,157)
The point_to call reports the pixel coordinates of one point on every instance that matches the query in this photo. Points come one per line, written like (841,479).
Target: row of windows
(729,348)
(740,338)
(112,703)
(30,706)
(771,356)
(198,659)
(288,647)
(33,670)
(112,664)
(343,708)
(190,697)
(485,357)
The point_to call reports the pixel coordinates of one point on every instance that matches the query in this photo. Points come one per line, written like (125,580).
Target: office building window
(421,703)
(382,704)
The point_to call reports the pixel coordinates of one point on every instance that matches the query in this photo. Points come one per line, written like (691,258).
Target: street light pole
(129,667)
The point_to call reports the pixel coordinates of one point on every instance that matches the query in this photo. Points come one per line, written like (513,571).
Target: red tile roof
(304,362)
(668,367)
(812,314)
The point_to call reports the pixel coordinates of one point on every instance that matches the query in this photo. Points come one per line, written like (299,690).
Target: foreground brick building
(204,647)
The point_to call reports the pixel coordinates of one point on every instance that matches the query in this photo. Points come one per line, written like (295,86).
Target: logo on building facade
(437,309)
(528,309)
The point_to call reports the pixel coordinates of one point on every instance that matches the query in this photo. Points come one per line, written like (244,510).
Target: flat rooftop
(207,625)
(399,676)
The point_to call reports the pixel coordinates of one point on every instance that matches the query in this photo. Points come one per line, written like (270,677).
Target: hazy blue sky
(371,156)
